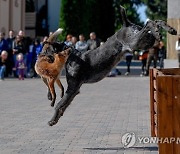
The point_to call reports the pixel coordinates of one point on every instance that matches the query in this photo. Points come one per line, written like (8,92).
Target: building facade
(38,20)
(12,15)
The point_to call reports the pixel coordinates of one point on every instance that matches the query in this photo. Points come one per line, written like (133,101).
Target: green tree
(156,9)
(100,16)
(85,16)
(131,11)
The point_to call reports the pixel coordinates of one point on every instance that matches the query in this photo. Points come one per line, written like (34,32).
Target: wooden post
(152,102)
(165,109)
(176,113)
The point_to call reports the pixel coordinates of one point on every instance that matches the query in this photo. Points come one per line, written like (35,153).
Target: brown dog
(50,71)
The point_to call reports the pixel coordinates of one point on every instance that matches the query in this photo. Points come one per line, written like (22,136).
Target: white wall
(53,14)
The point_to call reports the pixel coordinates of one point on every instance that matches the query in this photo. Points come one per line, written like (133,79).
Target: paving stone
(94,122)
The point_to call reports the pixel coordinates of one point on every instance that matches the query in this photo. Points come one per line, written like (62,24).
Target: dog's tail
(124,18)
(54,35)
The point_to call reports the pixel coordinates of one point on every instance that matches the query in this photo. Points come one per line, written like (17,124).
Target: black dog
(93,65)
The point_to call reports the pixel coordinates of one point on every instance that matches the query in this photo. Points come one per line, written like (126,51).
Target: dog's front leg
(64,103)
(49,96)
(60,86)
(52,90)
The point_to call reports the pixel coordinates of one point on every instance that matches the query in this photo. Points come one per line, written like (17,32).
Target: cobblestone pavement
(94,122)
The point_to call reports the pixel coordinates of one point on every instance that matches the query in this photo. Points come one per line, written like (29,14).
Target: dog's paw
(52,123)
(49,96)
(52,103)
(172,31)
(56,117)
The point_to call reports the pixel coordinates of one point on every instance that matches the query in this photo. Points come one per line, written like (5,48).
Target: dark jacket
(3,45)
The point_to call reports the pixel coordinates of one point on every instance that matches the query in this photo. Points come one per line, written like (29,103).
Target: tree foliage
(100,16)
(156,9)
(131,11)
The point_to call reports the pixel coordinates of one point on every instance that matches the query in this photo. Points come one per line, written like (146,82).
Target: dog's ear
(58,46)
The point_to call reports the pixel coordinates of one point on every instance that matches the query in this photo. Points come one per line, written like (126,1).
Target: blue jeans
(2,71)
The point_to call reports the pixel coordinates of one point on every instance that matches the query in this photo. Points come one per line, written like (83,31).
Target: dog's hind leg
(52,90)
(124,18)
(166,27)
(60,86)
(71,92)
(49,96)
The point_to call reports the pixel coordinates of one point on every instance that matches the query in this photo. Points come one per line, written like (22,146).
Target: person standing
(93,42)
(17,48)
(161,54)
(143,57)
(129,57)
(10,42)
(26,42)
(178,49)
(81,45)
(152,55)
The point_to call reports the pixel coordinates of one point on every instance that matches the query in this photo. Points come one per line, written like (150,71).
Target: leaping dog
(49,64)
(93,65)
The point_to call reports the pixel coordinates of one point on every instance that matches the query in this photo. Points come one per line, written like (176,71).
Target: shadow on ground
(127,149)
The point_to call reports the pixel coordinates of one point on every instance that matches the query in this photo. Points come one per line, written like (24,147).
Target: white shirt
(177,45)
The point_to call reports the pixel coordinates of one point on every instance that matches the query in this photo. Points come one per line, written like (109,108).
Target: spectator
(26,42)
(152,55)
(93,42)
(37,46)
(30,59)
(20,66)
(129,57)
(74,41)
(178,49)
(161,54)
(10,42)
(17,48)
(3,42)
(81,45)
(3,64)
(143,57)
(10,39)
(37,51)
(68,40)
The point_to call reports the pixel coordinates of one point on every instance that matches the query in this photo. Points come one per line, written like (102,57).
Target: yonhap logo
(128,140)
